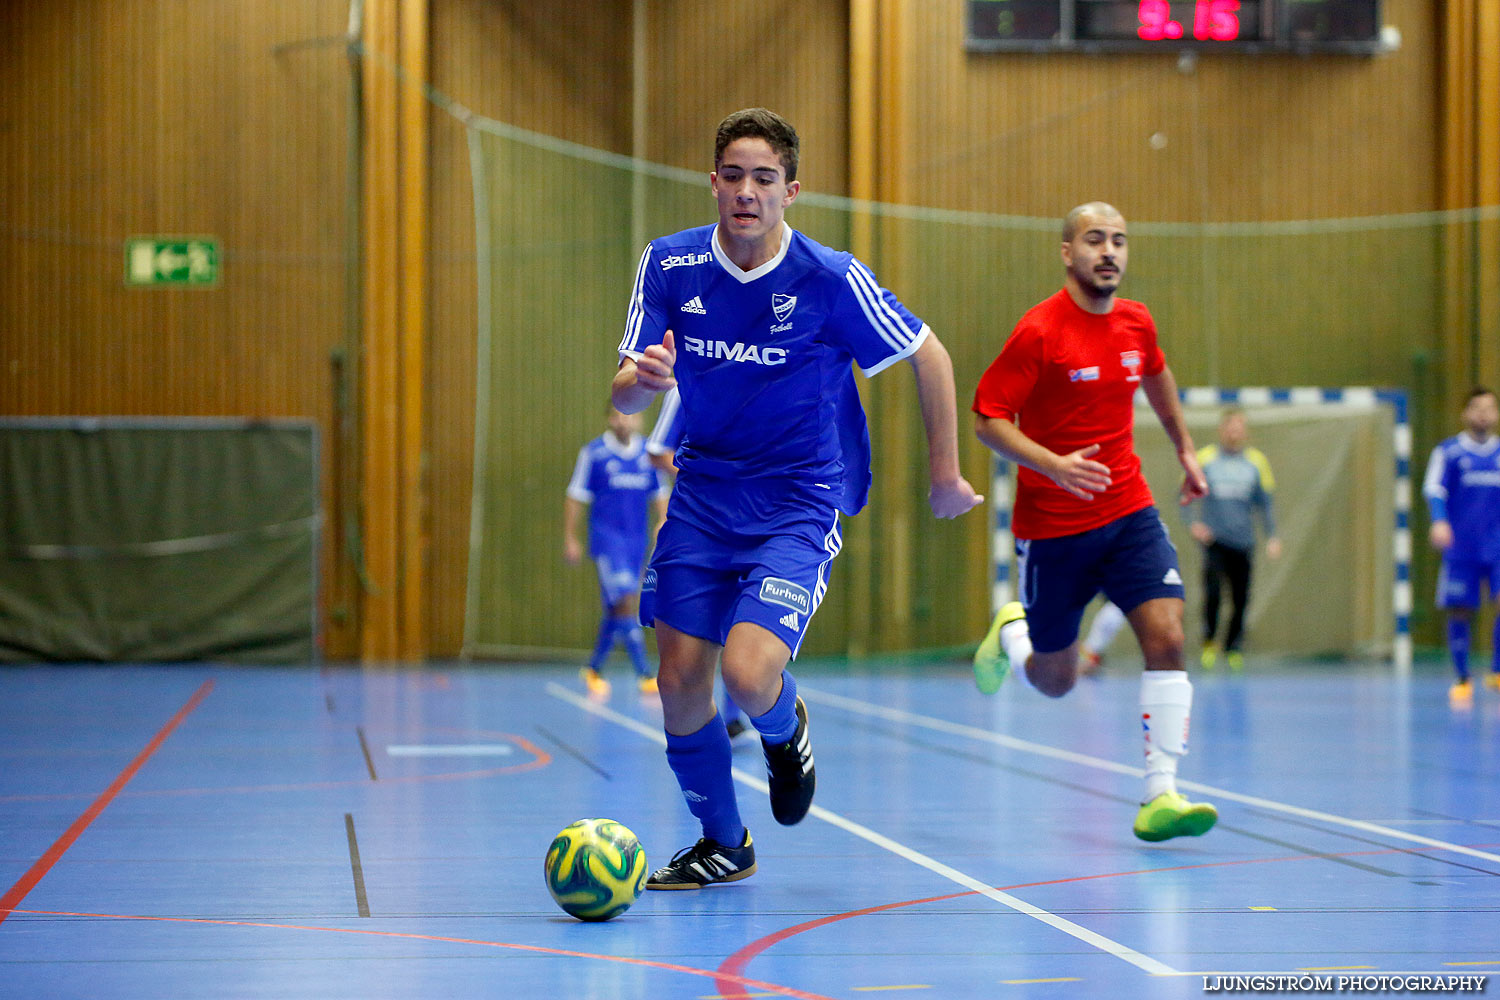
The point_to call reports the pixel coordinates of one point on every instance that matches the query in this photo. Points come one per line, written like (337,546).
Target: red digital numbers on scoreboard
(1353,27)
(1212,21)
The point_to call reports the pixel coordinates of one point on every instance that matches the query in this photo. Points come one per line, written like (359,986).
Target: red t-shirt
(1067,378)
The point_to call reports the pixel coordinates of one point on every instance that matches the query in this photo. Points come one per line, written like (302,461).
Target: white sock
(1015,639)
(1166,705)
(1104,628)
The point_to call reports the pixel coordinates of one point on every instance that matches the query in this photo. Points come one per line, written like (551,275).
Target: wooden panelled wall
(228,118)
(155,116)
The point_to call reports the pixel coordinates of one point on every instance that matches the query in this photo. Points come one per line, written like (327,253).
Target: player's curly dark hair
(759,123)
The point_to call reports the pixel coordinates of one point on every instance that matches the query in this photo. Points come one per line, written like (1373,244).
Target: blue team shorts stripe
(1131,559)
(832,543)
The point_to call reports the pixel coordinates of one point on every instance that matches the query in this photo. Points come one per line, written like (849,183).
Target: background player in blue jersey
(757,326)
(661,445)
(614,474)
(1462,487)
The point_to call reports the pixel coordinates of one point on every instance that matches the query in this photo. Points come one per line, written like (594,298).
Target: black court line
(572,752)
(328,700)
(364,748)
(1288,845)
(1314,852)
(1378,843)
(360,898)
(1455,819)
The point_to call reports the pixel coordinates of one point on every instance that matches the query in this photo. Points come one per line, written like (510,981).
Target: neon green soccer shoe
(1170,815)
(991,665)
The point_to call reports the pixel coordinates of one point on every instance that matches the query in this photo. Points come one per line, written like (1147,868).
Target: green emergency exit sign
(168,261)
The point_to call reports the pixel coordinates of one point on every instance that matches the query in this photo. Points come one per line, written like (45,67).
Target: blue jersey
(1463,486)
(620,482)
(763,357)
(667,434)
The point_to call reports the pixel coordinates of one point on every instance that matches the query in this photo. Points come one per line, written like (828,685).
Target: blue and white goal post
(1337,401)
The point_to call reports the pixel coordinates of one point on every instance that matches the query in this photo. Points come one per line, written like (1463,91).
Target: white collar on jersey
(1470,443)
(630,449)
(741,275)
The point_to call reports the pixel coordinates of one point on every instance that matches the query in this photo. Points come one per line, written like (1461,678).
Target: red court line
(733,967)
(44,864)
(739,981)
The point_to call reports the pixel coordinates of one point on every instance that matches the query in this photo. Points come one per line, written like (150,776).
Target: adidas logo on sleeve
(790,620)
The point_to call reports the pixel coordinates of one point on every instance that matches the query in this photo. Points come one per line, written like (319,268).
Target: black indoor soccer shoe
(705,863)
(790,773)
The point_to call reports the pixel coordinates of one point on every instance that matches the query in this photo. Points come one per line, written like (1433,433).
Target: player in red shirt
(1059,402)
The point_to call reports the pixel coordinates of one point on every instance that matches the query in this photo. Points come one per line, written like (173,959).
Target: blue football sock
(635,645)
(778,724)
(702,761)
(1458,646)
(604,643)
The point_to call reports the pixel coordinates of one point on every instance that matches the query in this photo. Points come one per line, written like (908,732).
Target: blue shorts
(1459,580)
(1130,559)
(619,569)
(735,552)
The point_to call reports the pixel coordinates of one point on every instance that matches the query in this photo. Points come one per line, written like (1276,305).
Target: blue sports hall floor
(322,833)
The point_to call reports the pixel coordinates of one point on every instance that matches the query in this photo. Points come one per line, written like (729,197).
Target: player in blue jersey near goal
(1462,487)
(615,480)
(757,326)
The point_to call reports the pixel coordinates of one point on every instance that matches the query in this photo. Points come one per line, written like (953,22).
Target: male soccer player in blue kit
(614,474)
(757,326)
(1462,487)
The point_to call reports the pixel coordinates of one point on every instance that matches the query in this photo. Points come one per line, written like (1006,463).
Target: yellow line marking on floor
(1264,909)
(1491,962)
(909,986)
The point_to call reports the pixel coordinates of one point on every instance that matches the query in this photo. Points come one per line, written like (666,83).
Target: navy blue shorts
(1130,559)
(733,552)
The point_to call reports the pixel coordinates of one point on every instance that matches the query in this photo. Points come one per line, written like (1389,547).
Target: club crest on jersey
(1131,361)
(774,590)
(1089,374)
(782,305)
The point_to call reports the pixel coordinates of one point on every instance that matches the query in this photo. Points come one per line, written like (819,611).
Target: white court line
(1042,750)
(1120,951)
(449,750)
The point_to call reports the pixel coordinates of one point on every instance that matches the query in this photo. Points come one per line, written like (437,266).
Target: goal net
(1341,463)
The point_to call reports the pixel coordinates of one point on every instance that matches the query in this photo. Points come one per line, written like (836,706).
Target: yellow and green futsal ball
(595,869)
